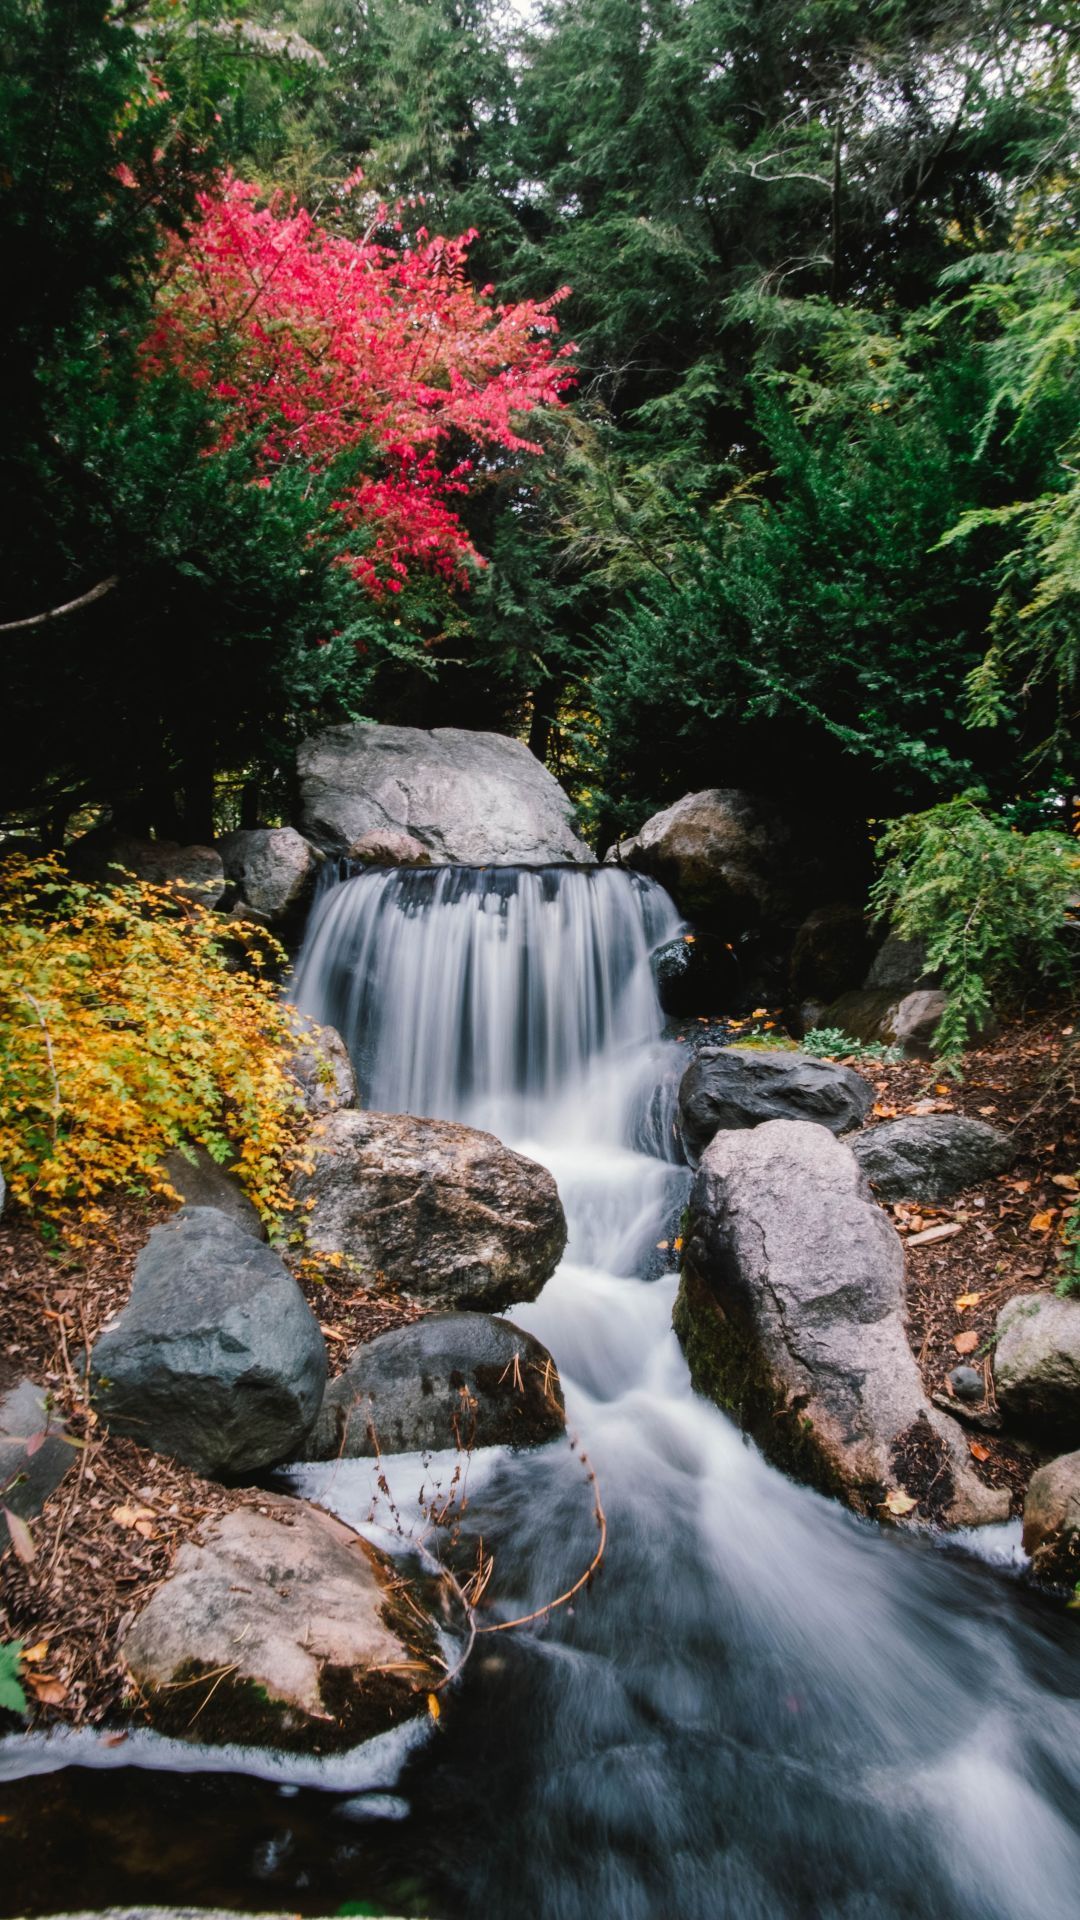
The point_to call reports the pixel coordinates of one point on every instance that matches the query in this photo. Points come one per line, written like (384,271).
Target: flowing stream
(762,1708)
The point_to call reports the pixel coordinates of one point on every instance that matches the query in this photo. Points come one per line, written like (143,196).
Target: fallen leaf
(47,1688)
(1041,1222)
(662,1246)
(112,1740)
(36,1652)
(677,1244)
(140,1519)
(940,1088)
(978,1452)
(433,1706)
(965,1342)
(966,1300)
(22,1540)
(332,1333)
(986,1110)
(1069,1181)
(689,938)
(899,1502)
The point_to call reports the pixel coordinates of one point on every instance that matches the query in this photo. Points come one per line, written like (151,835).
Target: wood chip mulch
(1003,1236)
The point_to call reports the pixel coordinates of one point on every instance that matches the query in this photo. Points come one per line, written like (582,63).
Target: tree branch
(70,606)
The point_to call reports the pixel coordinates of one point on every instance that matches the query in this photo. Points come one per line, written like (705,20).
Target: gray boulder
(914,1022)
(441,1213)
(898,967)
(320,1065)
(931,1156)
(283,1629)
(1052,1521)
(791,1311)
(200,1182)
(193,873)
(1037,1365)
(274,869)
(732,1087)
(35,1450)
(453,1380)
(734,861)
(389,848)
(217,1358)
(469,799)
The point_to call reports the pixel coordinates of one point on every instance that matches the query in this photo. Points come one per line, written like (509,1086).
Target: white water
(763,1709)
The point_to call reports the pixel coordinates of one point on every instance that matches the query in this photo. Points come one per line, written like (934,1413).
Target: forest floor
(110,1533)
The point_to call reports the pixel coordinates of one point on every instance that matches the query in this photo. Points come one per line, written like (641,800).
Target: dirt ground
(109,1534)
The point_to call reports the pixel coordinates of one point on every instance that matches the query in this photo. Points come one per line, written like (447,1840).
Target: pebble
(967,1383)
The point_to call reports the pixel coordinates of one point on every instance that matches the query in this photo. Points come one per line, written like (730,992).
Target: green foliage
(988,902)
(832,1043)
(12,1697)
(125,1029)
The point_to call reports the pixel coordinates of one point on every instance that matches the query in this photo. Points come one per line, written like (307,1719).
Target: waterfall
(763,1709)
(491,995)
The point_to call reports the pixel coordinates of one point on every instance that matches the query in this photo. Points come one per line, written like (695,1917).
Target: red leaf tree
(376,358)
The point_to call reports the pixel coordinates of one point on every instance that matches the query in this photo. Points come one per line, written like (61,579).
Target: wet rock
(733,861)
(200,1182)
(217,1358)
(967,1383)
(193,873)
(735,1087)
(829,953)
(1052,1521)
(791,1311)
(456,1380)
(321,1066)
(470,799)
(1037,1365)
(439,1212)
(35,1450)
(696,973)
(274,868)
(389,848)
(931,1156)
(281,1629)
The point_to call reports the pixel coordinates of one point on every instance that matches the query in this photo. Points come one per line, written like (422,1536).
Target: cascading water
(763,1709)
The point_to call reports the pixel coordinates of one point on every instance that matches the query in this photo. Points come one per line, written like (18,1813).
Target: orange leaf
(45,1687)
(965,1300)
(965,1342)
(979,1452)
(1041,1222)
(433,1706)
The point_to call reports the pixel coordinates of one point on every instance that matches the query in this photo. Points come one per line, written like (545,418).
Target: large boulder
(1037,1365)
(898,967)
(283,1629)
(320,1065)
(198,1181)
(734,861)
(439,1212)
(469,799)
(791,1312)
(930,1156)
(1052,1521)
(274,869)
(732,1087)
(217,1358)
(453,1380)
(193,873)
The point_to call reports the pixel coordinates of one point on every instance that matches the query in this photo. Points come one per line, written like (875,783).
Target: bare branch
(70,606)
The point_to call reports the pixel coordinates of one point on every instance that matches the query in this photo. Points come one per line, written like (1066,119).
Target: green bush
(989,903)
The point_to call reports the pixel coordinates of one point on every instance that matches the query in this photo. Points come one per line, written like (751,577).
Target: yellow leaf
(1041,1222)
(965,1300)
(36,1652)
(899,1502)
(433,1706)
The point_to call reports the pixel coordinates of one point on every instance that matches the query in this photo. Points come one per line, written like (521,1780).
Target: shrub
(832,1043)
(125,1030)
(989,903)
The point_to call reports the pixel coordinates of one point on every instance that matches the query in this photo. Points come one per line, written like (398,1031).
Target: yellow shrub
(122,1033)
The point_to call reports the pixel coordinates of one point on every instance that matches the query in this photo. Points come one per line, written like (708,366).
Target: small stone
(967,1383)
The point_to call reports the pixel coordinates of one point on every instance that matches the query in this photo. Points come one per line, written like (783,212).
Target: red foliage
(326,346)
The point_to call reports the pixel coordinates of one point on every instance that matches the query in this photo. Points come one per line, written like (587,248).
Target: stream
(762,1708)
